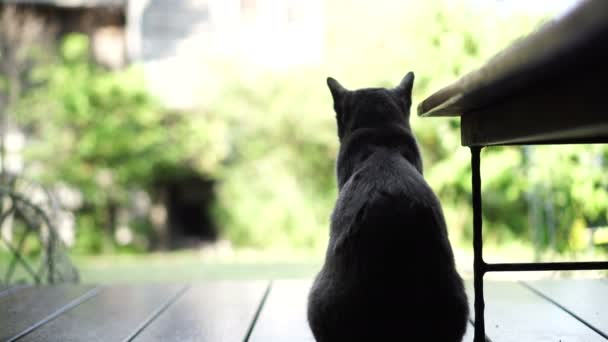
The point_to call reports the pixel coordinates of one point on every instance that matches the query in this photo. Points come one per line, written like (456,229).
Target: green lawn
(183,266)
(194,266)
(191,266)
(167,267)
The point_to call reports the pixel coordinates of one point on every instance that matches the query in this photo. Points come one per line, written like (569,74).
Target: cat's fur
(389,271)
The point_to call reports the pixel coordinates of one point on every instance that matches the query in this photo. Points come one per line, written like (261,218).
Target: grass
(241,264)
(190,267)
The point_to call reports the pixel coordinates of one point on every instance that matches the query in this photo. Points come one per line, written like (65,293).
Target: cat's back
(387,173)
(387,205)
(389,272)
(388,252)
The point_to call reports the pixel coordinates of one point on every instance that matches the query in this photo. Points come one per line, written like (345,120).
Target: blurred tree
(278,184)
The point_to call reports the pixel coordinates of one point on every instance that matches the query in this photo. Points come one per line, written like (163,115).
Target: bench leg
(478,263)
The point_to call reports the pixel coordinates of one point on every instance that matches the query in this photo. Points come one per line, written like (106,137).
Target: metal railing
(36,253)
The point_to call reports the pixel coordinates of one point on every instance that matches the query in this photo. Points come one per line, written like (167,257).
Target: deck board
(586,299)
(29,307)
(113,315)
(283,317)
(6,289)
(469,334)
(515,313)
(208,312)
(231,311)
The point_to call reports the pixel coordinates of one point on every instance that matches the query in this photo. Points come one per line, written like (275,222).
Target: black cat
(389,271)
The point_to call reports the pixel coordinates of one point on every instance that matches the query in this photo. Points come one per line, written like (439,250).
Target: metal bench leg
(478,264)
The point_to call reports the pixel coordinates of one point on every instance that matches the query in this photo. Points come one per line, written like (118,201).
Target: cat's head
(371,107)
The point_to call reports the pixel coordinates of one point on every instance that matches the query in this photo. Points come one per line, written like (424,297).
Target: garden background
(241,184)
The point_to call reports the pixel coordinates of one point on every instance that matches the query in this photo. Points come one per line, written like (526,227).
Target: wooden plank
(28,308)
(115,314)
(468,336)
(586,299)
(4,288)
(515,313)
(553,48)
(570,110)
(214,311)
(7,289)
(283,317)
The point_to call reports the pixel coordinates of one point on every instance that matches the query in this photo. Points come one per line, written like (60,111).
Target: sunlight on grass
(248,264)
(193,267)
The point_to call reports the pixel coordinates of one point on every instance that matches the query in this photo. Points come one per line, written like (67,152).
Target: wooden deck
(564,310)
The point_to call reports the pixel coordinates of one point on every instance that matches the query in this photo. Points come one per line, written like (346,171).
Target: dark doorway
(188,203)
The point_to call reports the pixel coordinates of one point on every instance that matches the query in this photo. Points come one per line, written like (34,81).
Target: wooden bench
(548,88)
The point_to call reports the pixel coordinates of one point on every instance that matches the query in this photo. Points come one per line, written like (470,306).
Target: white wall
(177,40)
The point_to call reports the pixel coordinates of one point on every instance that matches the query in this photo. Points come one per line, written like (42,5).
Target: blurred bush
(277,186)
(102,133)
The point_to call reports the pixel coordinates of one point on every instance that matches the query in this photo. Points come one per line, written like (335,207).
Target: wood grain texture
(550,50)
(515,313)
(570,110)
(208,312)
(585,299)
(115,314)
(283,317)
(29,307)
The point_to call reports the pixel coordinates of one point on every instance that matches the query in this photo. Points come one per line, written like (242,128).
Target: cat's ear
(404,89)
(337,90)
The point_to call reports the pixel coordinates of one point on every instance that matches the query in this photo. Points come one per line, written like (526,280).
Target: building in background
(102,20)
(177,41)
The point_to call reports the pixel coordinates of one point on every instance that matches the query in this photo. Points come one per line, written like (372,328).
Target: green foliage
(101,132)
(269,140)
(284,123)
(278,186)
